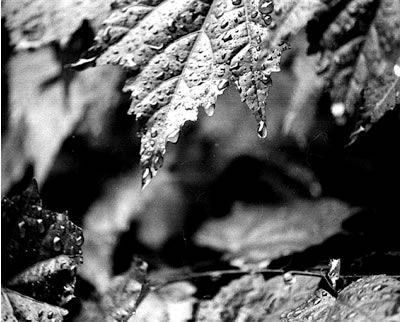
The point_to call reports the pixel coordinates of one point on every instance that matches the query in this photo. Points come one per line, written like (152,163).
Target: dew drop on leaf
(223,83)
(236,2)
(210,109)
(173,136)
(267,19)
(266,7)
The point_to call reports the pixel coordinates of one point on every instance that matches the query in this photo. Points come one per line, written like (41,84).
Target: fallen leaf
(372,298)
(359,48)
(37,23)
(258,234)
(251,298)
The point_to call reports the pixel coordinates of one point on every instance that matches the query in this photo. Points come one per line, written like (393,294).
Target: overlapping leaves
(360,45)
(41,252)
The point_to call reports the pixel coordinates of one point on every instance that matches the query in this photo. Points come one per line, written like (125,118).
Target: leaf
(41,249)
(258,234)
(373,298)
(18,307)
(42,118)
(359,48)
(37,23)
(251,298)
(130,293)
(159,211)
(185,53)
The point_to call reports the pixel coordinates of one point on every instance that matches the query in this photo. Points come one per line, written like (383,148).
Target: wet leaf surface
(360,48)
(373,298)
(251,298)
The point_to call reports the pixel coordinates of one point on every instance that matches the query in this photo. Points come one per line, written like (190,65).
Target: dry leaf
(359,49)
(251,298)
(36,23)
(373,298)
(258,234)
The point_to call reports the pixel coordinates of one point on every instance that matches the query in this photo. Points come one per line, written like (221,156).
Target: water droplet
(146,177)
(158,161)
(227,37)
(50,315)
(267,19)
(338,109)
(160,75)
(40,226)
(173,136)
(153,133)
(210,109)
(266,7)
(288,278)
(223,83)
(79,241)
(262,130)
(396,70)
(22,229)
(156,47)
(236,2)
(57,244)
(224,24)
(258,40)
(254,15)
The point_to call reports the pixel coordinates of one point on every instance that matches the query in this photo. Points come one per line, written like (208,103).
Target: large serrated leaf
(184,54)
(360,47)
(373,298)
(37,23)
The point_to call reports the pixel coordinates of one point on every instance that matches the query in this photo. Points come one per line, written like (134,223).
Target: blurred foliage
(225,198)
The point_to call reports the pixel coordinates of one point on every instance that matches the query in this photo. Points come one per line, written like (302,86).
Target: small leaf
(359,49)
(254,234)
(37,23)
(251,298)
(373,298)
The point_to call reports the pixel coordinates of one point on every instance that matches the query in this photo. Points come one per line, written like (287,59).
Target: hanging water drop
(57,244)
(236,2)
(210,109)
(79,241)
(262,130)
(223,83)
(173,136)
(158,161)
(146,177)
(22,229)
(266,7)
(267,19)
(153,133)
(40,226)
